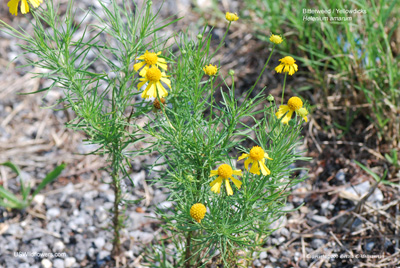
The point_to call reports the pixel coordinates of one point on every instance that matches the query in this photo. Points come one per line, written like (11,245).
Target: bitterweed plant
(95,67)
(230,162)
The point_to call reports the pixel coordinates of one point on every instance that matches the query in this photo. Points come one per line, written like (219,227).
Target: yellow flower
(294,104)
(225,172)
(210,69)
(256,157)
(198,211)
(154,87)
(149,59)
(288,65)
(276,39)
(231,16)
(13,5)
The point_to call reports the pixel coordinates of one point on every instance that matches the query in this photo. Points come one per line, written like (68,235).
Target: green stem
(116,251)
(188,252)
(283,89)
(259,76)
(222,41)
(212,98)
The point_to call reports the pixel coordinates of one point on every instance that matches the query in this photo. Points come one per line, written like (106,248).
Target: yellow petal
(161,91)
(158,53)
(291,70)
(237,182)
(288,116)
(24,7)
(215,181)
(35,3)
(282,110)
(243,156)
(138,65)
(267,156)
(13,5)
(255,169)
(237,172)
(152,90)
(264,170)
(247,162)
(279,68)
(286,69)
(144,70)
(213,173)
(216,188)
(228,187)
(162,65)
(139,86)
(166,81)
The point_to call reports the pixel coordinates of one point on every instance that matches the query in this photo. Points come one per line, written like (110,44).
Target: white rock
(263,255)
(59,246)
(103,254)
(69,262)
(99,242)
(39,199)
(46,263)
(53,213)
(58,263)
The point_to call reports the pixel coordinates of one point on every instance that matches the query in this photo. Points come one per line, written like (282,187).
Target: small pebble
(53,213)
(263,255)
(257,262)
(99,242)
(69,262)
(58,263)
(46,263)
(370,246)
(103,254)
(58,246)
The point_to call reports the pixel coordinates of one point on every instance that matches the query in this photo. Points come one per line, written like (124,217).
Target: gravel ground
(72,217)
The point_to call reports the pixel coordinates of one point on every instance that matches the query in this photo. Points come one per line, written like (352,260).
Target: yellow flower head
(256,157)
(276,39)
(13,6)
(231,16)
(225,172)
(198,211)
(295,104)
(288,65)
(149,59)
(154,77)
(210,69)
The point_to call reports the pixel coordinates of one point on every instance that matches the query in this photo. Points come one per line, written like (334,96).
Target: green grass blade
(49,178)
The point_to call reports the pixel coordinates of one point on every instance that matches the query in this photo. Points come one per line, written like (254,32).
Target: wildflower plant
(223,205)
(106,102)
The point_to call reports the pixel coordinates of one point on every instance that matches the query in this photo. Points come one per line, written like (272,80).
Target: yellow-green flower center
(276,39)
(231,16)
(210,70)
(287,60)
(225,171)
(153,74)
(150,58)
(257,153)
(295,103)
